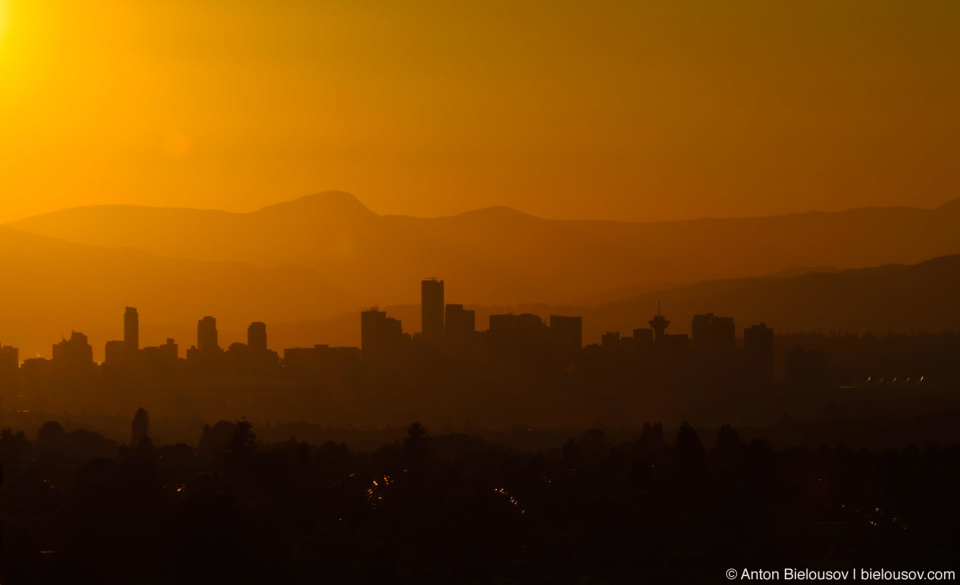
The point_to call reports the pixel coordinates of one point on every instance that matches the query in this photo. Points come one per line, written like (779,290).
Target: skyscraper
(131,330)
(257,337)
(74,354)
(758,349)
(380,336)
(459,327)
(207,335)
(431,306)
(9,365)
(115,352)
(713,334)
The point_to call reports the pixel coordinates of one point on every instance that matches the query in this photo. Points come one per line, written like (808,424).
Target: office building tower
(207,340)
(131,330)
(713,334)
(380,336)
(758,349)
(459,327)
(257,337)
(431,306)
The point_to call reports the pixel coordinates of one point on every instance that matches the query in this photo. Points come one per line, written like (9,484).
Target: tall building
(713,334)
(459,327)
(431,307)
(73,354)
(567,332)
(524,333)
(322,362)
(170,351)
(36,376)
(207,335)
(610,339)
(380,336)
(758,349)
(9,367)
(131,330)
(643,336)
(115,352)
(257,337)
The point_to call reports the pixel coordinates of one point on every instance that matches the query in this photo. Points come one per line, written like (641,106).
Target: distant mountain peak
(326,201)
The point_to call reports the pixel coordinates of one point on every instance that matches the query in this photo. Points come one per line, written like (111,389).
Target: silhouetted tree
(689,457)
(215,438)
(570,455)
(141,428)
(415,445)
(240,450)
(51,437)
(729,447)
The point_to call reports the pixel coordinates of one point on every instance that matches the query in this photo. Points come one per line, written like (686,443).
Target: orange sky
(616,109)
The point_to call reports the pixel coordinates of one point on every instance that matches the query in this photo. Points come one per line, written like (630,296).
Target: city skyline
(447,291)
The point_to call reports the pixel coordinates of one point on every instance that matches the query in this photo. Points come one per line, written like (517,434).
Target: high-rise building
(131,330)
(36,376)
(207,340)
(257,337)
(431,307)
(74,354)
(380,336)
(115,352)
(713,334)
(524,333)
(9,366)
(642,342)
(758,349)
(643,336)
(170,350)
(610,339)
(567,332)
(459,327)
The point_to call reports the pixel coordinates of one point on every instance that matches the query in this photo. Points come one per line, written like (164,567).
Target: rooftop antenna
(658,306)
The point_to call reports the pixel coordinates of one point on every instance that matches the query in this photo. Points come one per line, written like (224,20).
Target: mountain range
(502,256)
(307,266)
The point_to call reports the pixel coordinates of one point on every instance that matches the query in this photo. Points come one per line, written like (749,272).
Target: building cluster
(446,330)
(452,329)
(711,338)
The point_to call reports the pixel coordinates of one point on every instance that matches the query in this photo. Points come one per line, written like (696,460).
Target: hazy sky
(630,110)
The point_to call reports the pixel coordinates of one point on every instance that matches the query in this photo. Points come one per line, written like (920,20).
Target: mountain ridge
(351,199)
(499,255)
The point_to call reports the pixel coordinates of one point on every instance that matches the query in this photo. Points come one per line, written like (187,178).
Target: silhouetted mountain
(51,286)
(899,298)
(801,270)
(499,255)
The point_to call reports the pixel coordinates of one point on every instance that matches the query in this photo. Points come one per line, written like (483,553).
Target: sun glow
(4,19)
